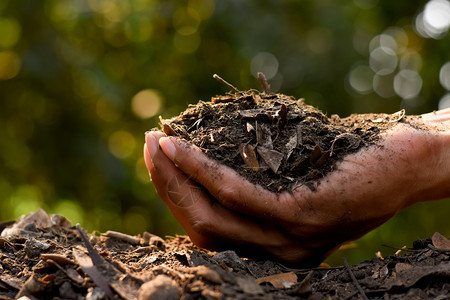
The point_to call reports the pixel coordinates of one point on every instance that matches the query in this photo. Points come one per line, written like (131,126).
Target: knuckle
(202,226)
(226,195)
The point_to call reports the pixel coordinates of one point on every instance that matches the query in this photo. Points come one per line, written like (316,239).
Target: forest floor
(44,257)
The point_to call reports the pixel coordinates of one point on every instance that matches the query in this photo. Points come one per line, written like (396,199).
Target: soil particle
(275,140)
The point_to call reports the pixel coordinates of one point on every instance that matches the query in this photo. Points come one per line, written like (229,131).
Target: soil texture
(44,257)
(275,140)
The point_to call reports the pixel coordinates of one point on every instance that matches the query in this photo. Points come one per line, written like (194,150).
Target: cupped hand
(220,209)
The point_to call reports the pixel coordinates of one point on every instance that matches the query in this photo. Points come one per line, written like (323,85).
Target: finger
(437,116)
(226,185)
(148,160)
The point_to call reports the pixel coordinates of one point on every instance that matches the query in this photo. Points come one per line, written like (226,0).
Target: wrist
(433,167)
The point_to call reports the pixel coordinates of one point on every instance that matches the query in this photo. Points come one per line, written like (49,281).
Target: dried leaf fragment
(291,144)
(315,154)
(440,241)
(264,84)
(282,115)
(271,157)
(166,128)
(323,159)
(280,281)
(248,154)
(263,135)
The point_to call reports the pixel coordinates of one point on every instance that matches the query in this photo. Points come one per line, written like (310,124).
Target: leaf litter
(275,140)
(43,257)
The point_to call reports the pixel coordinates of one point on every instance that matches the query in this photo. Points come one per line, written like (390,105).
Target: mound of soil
(44,257)
(275,140)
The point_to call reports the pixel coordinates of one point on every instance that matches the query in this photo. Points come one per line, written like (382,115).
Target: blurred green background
(81,81)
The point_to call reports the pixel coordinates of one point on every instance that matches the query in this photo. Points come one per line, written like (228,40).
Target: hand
(218,208)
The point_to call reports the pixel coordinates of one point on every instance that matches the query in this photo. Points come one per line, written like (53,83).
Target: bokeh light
(434,21)
(10,31)
(122,143)
(445,101)
(361,78)
(383,60)
(9,65)
(266,63)
(146,103)
(411,60)
(407,84)
(444,75)
(382,85)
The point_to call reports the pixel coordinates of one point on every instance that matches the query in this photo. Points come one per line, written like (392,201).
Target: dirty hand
(220,209)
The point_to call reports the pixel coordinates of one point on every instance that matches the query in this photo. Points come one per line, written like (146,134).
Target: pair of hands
(220,209)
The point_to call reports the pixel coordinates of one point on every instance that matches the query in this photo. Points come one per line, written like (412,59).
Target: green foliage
(81,81)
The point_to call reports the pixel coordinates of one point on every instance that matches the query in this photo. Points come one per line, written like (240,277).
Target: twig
(263,81)
(354,279)
(220,79)
(123,237)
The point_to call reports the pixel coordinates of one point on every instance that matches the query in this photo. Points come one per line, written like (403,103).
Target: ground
(45,257)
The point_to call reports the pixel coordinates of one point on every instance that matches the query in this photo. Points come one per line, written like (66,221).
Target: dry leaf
(248,154)
(168,130)
(291,144)
(315,154)
(282,114)
(323,158)
(280,281)
(263,81)
(271,157)
(264,136)
(440,241)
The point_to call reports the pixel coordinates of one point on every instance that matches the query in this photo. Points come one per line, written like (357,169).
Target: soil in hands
(275,140)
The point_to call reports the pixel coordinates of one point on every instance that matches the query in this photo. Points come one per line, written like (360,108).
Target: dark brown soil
(275,140)
(44,257)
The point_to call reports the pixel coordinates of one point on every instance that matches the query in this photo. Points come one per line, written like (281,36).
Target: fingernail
(152,144)
(168,147)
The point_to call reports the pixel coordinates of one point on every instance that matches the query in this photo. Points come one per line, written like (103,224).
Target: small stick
(220,79)
(354,279)
(263,81)
(123,237)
